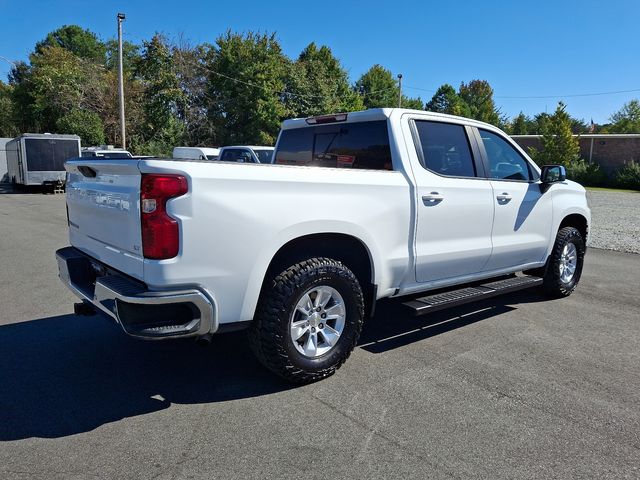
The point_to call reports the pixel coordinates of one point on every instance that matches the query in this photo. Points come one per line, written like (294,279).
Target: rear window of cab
(362,145)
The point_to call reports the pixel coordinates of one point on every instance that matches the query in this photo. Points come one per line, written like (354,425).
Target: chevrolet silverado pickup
(356,207)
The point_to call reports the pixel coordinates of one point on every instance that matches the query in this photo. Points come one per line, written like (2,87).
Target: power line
(275,91)
(284,92)
(524,97)
(571,95)
(418,88)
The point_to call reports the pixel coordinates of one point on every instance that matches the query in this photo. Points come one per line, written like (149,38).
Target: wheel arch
(577,221)
(348,249)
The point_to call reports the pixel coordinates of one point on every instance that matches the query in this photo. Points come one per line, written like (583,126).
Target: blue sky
(523,48)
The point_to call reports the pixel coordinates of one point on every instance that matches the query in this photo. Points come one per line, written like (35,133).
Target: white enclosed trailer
(4,177)
(38,159)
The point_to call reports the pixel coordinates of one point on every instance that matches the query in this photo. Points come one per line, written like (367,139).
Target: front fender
(569,199)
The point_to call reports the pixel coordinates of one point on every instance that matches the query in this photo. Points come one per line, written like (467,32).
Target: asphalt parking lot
(515,387)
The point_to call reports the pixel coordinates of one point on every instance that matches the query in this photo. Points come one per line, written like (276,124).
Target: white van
(199,153)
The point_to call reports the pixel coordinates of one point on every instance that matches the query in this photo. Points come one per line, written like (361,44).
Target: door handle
(432,198)
(504,197)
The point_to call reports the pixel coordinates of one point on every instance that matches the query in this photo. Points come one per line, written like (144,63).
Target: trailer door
(49,154)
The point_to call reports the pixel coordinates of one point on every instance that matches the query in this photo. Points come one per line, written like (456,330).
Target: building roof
(589,135)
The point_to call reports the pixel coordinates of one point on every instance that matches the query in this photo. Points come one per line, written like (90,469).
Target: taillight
(160,232)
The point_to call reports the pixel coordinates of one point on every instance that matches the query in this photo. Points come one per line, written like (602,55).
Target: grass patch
(605,189)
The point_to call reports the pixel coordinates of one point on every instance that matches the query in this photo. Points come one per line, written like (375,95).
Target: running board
(453,298)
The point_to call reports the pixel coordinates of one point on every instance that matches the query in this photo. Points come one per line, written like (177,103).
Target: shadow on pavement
(8,189)
(65,375)
(395,326)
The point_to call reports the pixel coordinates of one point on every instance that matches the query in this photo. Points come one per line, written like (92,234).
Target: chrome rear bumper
(141,313)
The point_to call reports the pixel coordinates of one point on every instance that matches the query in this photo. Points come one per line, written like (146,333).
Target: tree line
(235,91)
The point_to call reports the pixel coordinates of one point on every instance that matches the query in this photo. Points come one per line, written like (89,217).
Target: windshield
(264,155)
(212,157)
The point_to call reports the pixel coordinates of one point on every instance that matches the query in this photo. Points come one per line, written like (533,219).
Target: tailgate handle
(87,171)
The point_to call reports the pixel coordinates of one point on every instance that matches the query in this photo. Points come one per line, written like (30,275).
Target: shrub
(629,176)
(84,123)
(585,173)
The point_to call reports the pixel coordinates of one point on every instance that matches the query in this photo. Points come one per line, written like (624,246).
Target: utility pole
(400,90)
(120,81)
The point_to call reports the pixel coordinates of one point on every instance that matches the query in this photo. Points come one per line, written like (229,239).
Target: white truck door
(455,204)
(523,214)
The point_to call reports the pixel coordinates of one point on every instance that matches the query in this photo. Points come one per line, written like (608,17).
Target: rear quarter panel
(237,216)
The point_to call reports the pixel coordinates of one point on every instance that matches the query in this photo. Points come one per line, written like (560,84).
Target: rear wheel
(308,321)
(564,266)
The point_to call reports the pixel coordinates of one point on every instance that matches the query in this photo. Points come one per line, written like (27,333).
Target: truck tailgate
(103,203)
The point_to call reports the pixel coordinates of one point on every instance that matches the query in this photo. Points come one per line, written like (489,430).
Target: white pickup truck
(357,207)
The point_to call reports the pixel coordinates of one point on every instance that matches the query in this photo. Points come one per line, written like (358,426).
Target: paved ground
(516,387)
(616,220)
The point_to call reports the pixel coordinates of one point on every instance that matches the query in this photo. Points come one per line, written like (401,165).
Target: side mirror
(552,174)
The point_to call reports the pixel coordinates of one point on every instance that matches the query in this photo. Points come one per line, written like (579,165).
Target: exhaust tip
(84,309)
(205,340)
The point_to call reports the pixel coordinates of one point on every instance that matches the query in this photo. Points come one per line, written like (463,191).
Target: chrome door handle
(504,197)
(432,198)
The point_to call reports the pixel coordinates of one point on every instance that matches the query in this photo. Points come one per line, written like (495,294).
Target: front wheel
(308,321)
(564,266)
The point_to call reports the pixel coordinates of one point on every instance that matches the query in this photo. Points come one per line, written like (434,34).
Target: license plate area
(83,273)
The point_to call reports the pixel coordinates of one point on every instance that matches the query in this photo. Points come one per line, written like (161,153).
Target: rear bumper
(141,312)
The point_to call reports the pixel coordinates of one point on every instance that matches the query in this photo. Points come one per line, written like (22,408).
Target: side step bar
(453,298)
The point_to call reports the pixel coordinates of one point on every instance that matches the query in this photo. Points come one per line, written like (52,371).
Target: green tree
(7,125)
(627,119)
(413,103)
(189,64)
(57,85)
(65,73)
(130,56)
(559,146)
(478,95)
(539,123)
(246,82)
(78,41)
(318,84)
(108,108)
(520,125)
(578,125)
(22,114)
(446,100)
(84,123)
(161,129)
(380,89)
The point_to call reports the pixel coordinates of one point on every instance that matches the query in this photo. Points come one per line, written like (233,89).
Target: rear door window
(445,149)
(363,145)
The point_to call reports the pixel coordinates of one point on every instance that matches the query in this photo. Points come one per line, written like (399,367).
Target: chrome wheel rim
(568,262)
(317,321)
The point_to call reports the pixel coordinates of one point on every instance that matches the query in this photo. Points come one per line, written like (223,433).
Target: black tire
(269,334)
(553,284)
